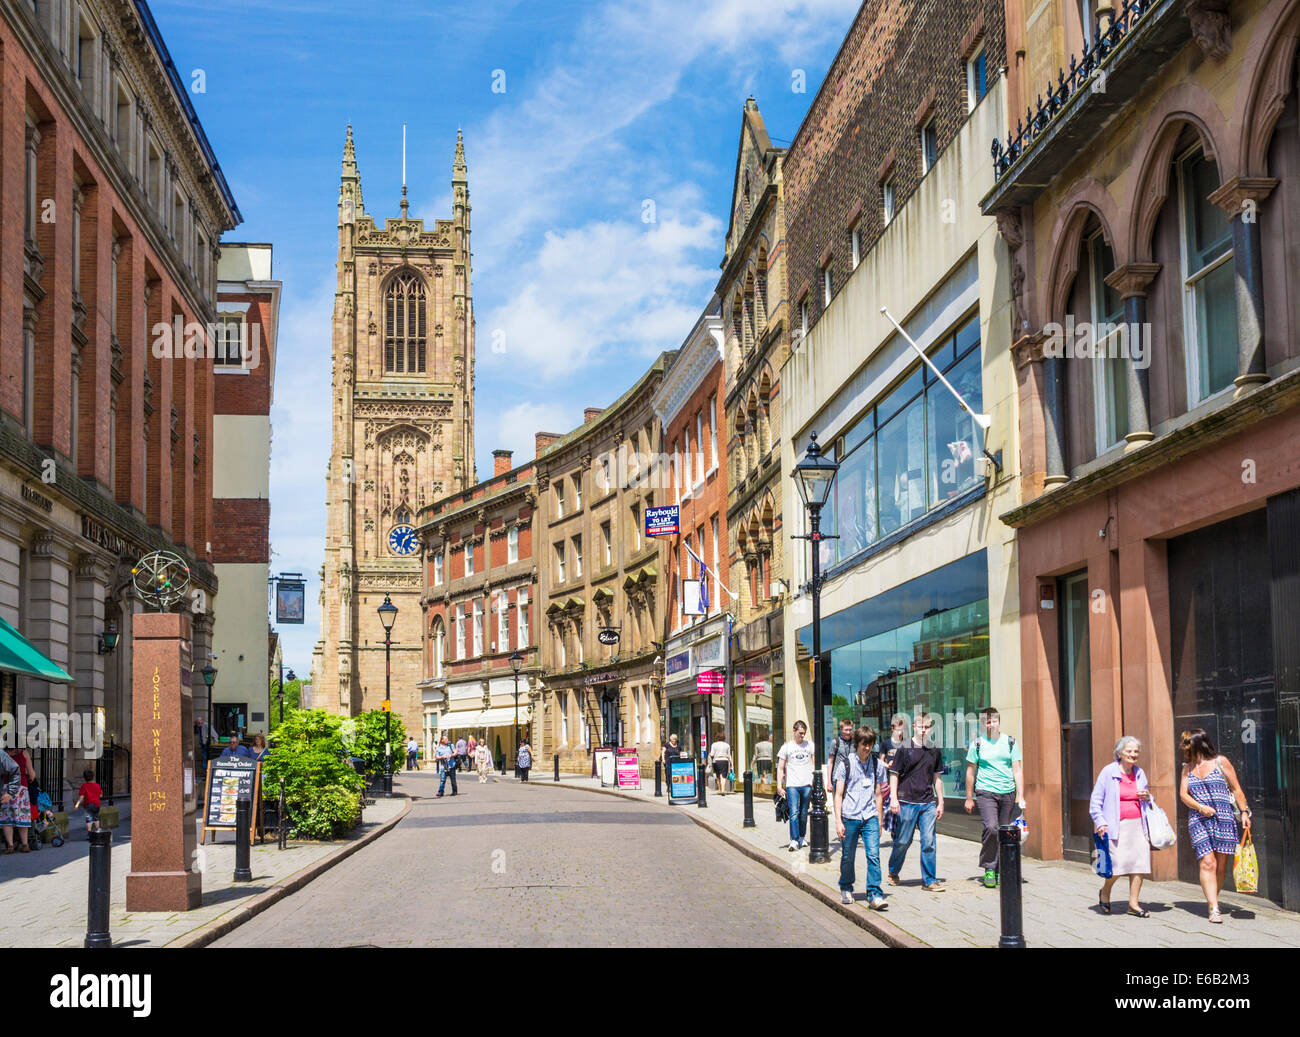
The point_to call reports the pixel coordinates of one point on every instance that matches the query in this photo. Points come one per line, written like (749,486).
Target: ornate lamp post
(387,615)
(516,664)
(814,476)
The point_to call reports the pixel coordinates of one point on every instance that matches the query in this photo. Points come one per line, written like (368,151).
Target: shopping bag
(1022,823)
(1103,865)
(731,775)
(1245,866)
(1159,829)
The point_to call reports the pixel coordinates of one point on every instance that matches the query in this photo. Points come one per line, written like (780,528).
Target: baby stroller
(44,827)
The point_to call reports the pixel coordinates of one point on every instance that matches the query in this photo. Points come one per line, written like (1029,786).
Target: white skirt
(1131,853)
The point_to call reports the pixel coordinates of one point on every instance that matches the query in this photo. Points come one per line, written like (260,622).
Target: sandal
(1216,916)
(1139,912)
(1105,907)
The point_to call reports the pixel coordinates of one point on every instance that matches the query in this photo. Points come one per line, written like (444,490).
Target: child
(89,794)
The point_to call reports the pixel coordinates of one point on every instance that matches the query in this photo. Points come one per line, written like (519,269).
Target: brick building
(480,606)
(882,184)
(111,204)
(248,311)
(1157,187)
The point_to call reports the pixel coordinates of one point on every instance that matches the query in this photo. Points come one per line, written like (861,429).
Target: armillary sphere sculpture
(161,579)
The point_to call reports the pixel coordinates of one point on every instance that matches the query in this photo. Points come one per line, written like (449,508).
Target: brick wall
(240,530)
(901,60)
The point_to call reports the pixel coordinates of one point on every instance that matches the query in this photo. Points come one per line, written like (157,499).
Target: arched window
(1210,310)
(439,639)
(404,326)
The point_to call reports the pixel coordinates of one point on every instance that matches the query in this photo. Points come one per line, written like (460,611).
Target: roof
(614,410)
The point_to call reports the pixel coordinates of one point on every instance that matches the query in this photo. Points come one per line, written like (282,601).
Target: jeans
(448,771)
(869,830)
(996,808)
(800,799)
(909,816)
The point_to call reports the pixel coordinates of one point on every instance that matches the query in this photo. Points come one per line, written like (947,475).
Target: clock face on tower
(401,540)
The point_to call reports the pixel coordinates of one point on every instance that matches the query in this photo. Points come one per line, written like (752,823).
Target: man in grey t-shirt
(859,778)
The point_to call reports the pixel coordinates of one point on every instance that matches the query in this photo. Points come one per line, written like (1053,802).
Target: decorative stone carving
(1211,27)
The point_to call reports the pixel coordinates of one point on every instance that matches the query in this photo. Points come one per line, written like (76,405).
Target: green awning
(18,655)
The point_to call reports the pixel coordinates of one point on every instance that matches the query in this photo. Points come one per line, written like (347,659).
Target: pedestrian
(16,803)
(235,748)
(898,736)
(842,746)
(446,756)
(858,778)
(762,759)
(462,753)
(720,757)
(471,750)
(483,757)
(794,774)
(916,798)
(995,780)
(1210,790)
(1118,808)
(89,795)
(670,752)
(258,750)
(524,760)
(412,754)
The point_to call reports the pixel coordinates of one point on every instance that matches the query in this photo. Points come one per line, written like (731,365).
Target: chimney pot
(591,414)
(544,439)
(501,461)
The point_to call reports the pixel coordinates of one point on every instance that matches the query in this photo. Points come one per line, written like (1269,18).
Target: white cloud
(517,427)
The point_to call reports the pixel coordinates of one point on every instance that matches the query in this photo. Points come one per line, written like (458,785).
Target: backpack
(975,746)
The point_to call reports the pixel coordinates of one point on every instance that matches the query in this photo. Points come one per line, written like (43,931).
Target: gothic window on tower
(404,326)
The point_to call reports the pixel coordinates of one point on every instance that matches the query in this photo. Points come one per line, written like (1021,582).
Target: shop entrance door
(1220,619)
(1076,718)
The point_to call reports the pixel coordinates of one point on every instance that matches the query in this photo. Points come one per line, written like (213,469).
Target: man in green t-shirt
(995,779)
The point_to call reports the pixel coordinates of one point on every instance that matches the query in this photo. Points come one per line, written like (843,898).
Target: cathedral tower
(403,434)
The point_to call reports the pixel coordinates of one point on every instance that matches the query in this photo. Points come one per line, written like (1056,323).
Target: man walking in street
(412,754)
(859,777)
(794,774)
(462,753)
(843,747)
(446,756)
(995,781)
(916,797)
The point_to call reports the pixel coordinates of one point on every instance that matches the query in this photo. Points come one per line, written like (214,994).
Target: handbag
(1245,866)
(1102,864)
(731,775)
(1159,830)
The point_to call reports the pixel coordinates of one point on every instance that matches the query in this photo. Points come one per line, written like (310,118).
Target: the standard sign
(661,522)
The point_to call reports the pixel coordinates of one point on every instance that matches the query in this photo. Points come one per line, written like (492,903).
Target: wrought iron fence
(49,764)
(1069,84)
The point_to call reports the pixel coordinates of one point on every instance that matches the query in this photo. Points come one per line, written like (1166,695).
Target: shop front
(758,699)
(695,687)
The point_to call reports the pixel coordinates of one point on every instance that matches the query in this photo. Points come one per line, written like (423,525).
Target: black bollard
(283,840)
(659,777)
(557,766)
(702,795)
(1009,853)
(243,817)
(101,876)
(749,801)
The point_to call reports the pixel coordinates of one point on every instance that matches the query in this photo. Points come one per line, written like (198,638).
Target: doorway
(1076,718)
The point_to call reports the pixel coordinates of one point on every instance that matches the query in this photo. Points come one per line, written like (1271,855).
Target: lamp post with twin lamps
(814,476)
(387,614)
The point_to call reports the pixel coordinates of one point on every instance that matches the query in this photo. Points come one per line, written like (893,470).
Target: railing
(106,770)
(49,764)
(1069,84)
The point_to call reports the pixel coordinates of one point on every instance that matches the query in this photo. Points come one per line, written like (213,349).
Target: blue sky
(605,105)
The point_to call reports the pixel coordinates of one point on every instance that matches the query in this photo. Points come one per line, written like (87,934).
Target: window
(577,558)
(86,59)
(437,569)
(559,563)
(855,244)
(559,498)
(577,492)
(178,221)
(888,200)
(153,177)
(33,140)
(977,77)
(503,622)
(512,544)
(1209,305)
(521,604)
(699,446)
(563,707)
(460,631)
(577,639)
(561,648)
(478,626)
(636,527)
(688,465)
(1110,370)
(1088,20)
(469,558)
(439,648)
(404,326)
(228,350)
(826,285)
(929,146)
(713,432)
(607,540)
(122,122)
(716,599)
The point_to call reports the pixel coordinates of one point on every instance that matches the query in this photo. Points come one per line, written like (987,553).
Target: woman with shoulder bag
(1118,808)
(1209,789)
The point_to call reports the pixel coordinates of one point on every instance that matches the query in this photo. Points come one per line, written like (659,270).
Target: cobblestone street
(501,865)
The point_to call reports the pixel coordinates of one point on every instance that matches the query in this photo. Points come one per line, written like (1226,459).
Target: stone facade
(403,433)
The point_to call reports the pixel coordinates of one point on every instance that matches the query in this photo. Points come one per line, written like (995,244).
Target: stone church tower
(403,434)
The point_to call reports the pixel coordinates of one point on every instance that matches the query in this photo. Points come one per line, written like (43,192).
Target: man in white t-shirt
(794,774)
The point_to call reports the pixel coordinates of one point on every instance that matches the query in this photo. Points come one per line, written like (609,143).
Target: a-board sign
(627,768)
(661,522)
(681,781)
(604,760)
(230,777)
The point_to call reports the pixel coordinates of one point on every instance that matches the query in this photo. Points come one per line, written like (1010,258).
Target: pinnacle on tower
(349,155)
(459,171)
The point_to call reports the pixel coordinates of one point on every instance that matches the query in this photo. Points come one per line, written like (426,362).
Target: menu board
(230,777)
(681,781)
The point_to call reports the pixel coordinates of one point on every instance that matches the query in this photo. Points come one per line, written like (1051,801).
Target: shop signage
(108,539)
(608,636)
(609,676)
(711,682)
(628,768)
(679,662)
(39,499)
(709,653)
(756,684)
(661,522)
(681,781)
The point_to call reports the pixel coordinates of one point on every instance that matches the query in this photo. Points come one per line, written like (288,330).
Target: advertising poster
(661,522)
(711,682)
(628,767)
(604,766)
(681,781)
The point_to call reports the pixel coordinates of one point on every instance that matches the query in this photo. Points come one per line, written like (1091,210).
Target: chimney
(500,462)
(591,414)
(544,439)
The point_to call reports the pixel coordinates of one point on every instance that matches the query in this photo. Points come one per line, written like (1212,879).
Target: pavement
(500,865)
(44,892)
(1059,897)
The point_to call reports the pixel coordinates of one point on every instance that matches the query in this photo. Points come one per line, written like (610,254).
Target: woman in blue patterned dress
(1209,786)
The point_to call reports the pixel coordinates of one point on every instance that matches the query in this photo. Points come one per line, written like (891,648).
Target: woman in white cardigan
(1119,813)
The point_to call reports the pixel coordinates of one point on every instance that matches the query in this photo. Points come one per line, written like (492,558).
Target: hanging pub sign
(290,600)
(661,522)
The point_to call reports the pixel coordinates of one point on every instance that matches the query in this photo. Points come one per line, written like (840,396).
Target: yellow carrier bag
(1245,867)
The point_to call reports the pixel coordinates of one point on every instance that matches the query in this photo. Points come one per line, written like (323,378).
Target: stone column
(48,626)
(1239,198)
(91,591)
(1132,282)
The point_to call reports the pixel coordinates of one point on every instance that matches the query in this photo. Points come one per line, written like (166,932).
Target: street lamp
(516,664)
(209,673)
(280,694)
(814,476)
(387,614)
